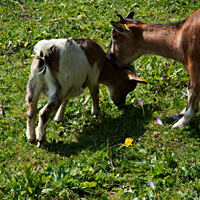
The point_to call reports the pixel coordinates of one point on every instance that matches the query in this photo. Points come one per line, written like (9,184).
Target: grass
(89,161)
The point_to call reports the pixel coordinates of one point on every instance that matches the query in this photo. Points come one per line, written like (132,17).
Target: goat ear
(133,77)
(130,15)
(122,29)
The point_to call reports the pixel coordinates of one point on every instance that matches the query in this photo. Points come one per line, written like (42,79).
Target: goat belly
(73,92)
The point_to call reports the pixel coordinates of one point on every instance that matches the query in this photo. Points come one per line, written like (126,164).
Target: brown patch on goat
(52,58)
(45,116)
(93,52)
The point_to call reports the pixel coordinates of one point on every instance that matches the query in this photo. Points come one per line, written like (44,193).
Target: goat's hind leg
(192,100)
(44,115)
(32,97)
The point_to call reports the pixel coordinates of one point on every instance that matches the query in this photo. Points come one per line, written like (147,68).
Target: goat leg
(94,91)
(60,113)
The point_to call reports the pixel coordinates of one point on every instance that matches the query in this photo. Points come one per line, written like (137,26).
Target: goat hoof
(99,114)
(180,124)
(58,121)
(32,141)
(41,143)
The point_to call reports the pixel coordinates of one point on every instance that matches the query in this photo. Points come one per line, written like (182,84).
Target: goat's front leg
(60,113)
(94,91)
(44,115)
(192,100)
(196,109)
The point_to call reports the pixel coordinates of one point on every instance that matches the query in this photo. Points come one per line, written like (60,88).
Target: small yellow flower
(25,44)
(128,141)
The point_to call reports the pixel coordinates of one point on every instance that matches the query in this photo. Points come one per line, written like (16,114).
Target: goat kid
(179,41)
(62,69)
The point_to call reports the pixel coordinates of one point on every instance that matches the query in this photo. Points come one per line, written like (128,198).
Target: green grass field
(90,160)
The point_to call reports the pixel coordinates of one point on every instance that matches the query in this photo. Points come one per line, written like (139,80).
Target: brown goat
(62,69)
(179,41)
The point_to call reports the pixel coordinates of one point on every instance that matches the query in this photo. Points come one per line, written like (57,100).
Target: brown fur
(52,58)
(93,52)
(179,41)
(122,81)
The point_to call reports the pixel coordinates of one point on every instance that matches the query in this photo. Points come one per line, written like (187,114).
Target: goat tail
(44,46)
(41,50)
(38,70)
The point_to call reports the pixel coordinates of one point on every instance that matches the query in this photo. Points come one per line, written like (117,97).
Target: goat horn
(130,15)
(121,20)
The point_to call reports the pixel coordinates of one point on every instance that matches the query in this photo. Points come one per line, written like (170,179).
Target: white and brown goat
(179,41)
(62,69)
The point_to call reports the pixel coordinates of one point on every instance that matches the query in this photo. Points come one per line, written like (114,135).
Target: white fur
(183,111)
(73,69)
(49,81)
(188,114)
(44,45)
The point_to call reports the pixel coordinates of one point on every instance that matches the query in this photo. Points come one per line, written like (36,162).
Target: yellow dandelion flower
(128,141)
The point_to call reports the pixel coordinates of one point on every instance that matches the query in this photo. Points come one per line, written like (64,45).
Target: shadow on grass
(96,135)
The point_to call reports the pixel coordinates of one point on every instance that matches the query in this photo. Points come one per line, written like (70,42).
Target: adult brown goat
(179,41)
(62,69)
